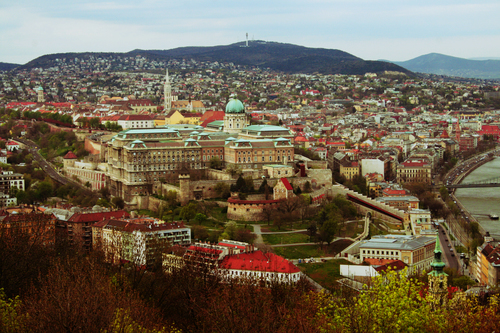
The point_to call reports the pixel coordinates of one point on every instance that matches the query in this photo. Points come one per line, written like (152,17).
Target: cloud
(369,29)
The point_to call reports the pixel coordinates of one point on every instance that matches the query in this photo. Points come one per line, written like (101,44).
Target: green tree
(391,304)
(216,163)
(328,230)
(189,211)
(118,202)
(200,218)
(11,317)
(222,190)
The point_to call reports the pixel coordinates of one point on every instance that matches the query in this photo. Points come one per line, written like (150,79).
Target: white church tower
(167,92)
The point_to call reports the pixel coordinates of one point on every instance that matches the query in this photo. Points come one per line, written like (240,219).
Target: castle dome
(235,106)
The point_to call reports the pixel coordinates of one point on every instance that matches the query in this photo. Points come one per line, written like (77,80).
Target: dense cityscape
(143,195)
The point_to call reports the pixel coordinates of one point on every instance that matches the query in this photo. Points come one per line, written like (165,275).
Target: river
(482,201)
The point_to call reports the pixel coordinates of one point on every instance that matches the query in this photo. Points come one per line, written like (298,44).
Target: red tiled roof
(215,115)
(94,217)
(259,262)
(136,117)
(241,247)
(395,265)
(287,184)
(70,156)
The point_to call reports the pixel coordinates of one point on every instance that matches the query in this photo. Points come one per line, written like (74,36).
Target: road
(449,253)
(46,166)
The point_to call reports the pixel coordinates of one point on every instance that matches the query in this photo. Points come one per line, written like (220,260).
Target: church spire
(167,92)
(437,263)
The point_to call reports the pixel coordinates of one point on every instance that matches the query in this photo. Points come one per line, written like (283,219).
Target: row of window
(381,252)
(256,159)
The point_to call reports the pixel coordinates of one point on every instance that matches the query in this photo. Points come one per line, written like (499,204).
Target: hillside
(7,67)
(288,58)
(440,64)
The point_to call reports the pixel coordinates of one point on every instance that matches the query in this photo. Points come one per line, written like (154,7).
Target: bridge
(491,182)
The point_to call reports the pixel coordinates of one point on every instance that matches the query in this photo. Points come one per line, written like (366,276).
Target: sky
(370,29)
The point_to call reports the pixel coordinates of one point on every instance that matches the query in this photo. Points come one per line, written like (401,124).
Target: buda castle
(137,158)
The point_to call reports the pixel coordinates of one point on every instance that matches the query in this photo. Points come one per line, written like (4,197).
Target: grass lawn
(218,214)
(325,273)
(351,229)
(273,228)
(376,231)
(308,251)
(286,238)
(299,252)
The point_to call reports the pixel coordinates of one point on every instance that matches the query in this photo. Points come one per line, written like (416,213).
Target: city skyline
(390,30)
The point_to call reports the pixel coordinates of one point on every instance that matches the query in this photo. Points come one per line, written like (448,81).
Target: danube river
(482,201)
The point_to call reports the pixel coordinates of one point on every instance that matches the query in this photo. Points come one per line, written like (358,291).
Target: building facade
(416,252)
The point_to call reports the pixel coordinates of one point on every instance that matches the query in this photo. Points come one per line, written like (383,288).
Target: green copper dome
(235,106)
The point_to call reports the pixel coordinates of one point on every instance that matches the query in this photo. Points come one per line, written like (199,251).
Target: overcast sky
(370,29)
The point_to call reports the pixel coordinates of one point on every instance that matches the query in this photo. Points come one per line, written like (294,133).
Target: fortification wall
(316,164)
(246,210)
(340,189)
(93,147)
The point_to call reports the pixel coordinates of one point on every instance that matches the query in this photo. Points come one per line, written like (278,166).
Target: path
(258,233)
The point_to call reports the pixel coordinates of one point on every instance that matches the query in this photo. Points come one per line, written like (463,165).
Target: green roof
(216,123)
(265,128)
(148,131)
(235,106)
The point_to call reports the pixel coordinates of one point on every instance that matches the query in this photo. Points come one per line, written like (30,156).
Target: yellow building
(349,169)
(176,117)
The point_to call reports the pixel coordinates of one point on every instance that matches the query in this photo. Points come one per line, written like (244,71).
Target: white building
(372,165)
(136,121)
(257,265)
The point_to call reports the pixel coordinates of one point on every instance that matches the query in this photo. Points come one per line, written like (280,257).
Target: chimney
(302,170)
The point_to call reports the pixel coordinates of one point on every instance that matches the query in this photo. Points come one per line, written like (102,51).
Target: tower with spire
(167,92)
(438,279)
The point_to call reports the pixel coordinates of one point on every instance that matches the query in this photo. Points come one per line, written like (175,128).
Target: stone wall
(214,174)
(93,147)
(248,210)
(340,189)
(316,164)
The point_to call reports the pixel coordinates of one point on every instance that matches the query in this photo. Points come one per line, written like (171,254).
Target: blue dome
(235,106)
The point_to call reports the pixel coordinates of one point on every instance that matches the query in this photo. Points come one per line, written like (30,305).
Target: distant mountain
(440,64)
(7,67)
(288,58)
(284,57)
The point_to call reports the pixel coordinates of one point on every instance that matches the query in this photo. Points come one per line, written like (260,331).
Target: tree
(200,218)
(233,170)
(199,232)
(312,229)
(222,190)
(307,187)
(216,163)
(391,304)
(244,235)
(328,231)
(268,212)
(189,211)
(118,202)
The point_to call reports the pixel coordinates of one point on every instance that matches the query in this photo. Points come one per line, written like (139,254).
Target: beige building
(283,190)
(420,221)
(278,170)
(414,171)
(488,263)
(254,154)
(416,252)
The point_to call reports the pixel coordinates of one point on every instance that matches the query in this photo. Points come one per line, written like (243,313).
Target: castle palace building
(137,158)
